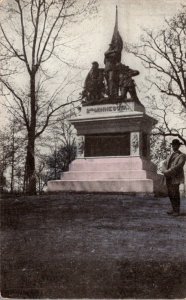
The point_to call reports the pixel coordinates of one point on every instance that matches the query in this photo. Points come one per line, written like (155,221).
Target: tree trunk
(30,175)
(12,174)
(12,160)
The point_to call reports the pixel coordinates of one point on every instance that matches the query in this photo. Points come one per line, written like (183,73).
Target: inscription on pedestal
(108,108)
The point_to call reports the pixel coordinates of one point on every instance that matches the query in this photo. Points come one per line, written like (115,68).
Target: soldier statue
(112,57)
(126,83)
(94,84)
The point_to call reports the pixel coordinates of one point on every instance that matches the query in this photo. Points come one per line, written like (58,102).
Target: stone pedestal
(113,151)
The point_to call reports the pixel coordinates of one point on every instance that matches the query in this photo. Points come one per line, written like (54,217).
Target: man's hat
(95,63)
(176,142)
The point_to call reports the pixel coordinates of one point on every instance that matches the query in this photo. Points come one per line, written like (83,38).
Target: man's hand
(165,172)
(169,173)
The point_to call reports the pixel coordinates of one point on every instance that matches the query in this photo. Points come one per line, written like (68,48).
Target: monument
(113,132)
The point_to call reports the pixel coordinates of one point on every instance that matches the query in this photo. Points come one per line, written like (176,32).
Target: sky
(133,16)
(89,39)
(94,35)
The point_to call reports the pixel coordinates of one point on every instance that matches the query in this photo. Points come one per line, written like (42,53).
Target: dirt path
(92,246)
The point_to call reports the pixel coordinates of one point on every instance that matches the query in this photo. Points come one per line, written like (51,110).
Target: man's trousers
(174,195)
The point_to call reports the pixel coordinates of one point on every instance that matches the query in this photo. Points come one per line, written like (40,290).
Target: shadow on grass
(98,279)
(42,237)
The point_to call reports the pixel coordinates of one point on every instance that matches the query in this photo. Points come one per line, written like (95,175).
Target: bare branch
(11,89)
(10,48)
(23,35)
(51,113)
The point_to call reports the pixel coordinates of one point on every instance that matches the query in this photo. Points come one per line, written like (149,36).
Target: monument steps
(96,175)
(112,164)
(124,186)
(109,174)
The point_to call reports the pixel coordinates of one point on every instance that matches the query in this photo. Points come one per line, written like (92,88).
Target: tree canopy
(163,52)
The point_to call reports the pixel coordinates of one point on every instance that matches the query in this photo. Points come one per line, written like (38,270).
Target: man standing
(174,174)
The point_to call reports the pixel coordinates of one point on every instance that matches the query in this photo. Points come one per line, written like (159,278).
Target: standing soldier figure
(112,57)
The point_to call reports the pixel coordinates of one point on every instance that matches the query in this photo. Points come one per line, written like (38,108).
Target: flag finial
(116,21)
(116,41)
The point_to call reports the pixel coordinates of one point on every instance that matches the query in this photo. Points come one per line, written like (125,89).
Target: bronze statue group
(112,82)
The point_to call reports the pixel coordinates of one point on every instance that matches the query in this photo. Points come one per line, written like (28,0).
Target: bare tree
(161,148)
(60,150)
(32,33)
(12,154)
(63,148)
(164,54)
(4,158)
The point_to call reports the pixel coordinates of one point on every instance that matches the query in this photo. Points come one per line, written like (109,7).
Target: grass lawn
(92,246)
